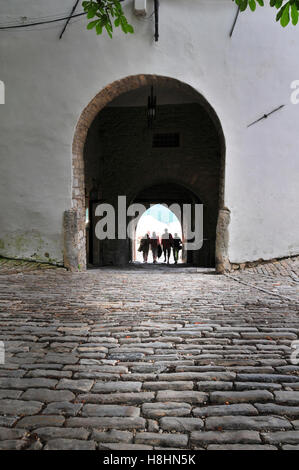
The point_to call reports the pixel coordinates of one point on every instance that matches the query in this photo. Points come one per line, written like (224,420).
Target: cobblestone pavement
(149,358)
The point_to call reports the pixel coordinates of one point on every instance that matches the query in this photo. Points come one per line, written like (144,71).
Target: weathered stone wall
(120,159)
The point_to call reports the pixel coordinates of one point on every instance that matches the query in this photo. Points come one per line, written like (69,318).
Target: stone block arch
(74,219)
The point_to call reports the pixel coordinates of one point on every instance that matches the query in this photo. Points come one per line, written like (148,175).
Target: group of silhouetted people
(157,246)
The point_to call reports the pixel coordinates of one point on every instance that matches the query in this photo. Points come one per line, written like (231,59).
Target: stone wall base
(259,262)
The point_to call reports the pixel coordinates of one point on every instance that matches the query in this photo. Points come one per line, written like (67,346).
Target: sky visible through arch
(156,219)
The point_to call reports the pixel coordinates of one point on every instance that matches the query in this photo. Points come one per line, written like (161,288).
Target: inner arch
(157,219)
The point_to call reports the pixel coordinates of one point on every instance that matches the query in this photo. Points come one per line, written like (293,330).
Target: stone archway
(74,219)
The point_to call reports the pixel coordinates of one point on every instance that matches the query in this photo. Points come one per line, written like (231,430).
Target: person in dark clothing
(166,245)
(154,242)
(144,247)
(177,246)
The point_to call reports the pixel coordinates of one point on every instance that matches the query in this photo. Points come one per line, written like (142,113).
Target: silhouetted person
(177,246)
(154,246)
(144,247)
(166,244)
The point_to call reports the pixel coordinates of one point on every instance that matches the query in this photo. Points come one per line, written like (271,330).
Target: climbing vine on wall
(108,14)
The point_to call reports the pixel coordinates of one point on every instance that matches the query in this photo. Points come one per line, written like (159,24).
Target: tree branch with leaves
(109,14)
(287,10)
(106,14)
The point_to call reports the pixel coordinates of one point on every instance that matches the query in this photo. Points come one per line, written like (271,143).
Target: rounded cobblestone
(149,358)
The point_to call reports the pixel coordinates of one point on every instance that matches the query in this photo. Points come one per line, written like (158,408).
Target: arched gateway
(117,153)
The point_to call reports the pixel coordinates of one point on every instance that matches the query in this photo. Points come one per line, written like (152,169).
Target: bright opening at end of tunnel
(156,219)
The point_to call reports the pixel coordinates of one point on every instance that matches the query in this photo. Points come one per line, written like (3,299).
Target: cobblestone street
(148,358)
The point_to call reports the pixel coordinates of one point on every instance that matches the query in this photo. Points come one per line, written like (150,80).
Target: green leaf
(99,27)
(285,17)
(243,4)
(278,3)
(92,24)
(130,29)
(294,13)
(91,14)
(109,31)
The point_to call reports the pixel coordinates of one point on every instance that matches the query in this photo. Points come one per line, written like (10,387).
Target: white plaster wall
(49,82)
